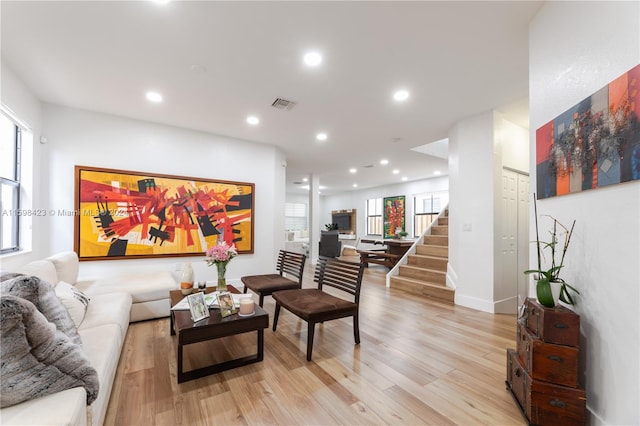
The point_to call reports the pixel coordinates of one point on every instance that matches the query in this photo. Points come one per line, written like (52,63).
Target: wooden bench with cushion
(371,256)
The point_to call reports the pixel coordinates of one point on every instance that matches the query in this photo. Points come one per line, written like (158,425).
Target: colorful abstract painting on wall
(392,215)
(123,215)
(593,144)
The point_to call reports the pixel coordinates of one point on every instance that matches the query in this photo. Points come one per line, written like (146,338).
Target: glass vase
(186,281)
(222,281)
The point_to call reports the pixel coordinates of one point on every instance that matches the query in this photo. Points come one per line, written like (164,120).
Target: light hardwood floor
(419,363)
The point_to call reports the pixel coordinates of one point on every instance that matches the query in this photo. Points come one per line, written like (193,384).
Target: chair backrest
(330,243)
(292,264)
(340,274)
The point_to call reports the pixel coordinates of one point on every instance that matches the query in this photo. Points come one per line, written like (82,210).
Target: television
(343,220)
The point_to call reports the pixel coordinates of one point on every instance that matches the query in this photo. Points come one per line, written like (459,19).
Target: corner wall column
(314,217)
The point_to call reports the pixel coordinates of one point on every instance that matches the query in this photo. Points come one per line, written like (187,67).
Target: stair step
(443,221)
(431,250)
(423,288)
(436,240)
(423,274)
(440,230)
(436,263)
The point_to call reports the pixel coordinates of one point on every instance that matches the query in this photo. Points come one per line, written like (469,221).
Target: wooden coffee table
(214,327)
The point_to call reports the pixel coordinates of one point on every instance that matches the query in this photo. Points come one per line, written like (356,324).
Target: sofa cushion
(67,407)
(38,359)
(74,300)
(143,286)
(104,309)
(66,265)
(41,269)
(42,295)
(102,345)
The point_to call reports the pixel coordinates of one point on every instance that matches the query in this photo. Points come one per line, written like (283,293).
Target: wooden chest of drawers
(547,361)
(552,325)
(542,374)
(545,403)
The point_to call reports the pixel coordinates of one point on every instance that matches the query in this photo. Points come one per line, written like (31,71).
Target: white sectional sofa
(114,302)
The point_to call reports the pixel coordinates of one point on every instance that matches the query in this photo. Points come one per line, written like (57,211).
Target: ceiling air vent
(283,104)
(368,166)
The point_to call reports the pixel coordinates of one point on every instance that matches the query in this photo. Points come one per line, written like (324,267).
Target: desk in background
(389,255)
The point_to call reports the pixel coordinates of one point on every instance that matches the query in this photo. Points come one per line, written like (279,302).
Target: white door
(513,249)
(523,237)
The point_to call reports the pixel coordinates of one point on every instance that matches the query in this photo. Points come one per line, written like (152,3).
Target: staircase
(426,270)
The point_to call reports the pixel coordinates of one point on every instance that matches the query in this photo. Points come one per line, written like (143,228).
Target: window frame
(432,214)
(376,218)
(288,219)
(14,183)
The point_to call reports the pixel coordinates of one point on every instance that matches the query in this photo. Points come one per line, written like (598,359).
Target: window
(426,208)
(10,147)
(374,216)
(295,217)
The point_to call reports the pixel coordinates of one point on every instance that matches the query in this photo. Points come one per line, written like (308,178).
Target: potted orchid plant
(546,278)
(220,255)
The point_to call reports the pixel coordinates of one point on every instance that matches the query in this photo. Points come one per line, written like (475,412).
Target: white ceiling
(456,58)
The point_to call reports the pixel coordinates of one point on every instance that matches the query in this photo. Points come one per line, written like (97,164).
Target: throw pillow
(74,300)
(42,295)
(38,359)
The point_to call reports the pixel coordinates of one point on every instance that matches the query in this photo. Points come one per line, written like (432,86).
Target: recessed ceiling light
(321,136)
(353,170)
(401,95)
(253,120)
(154,97)
(312,59)
(437,172)
(197,68)
(404,178)
(161,1)
(305,180)
(355,185)
(384,162)
(395,171)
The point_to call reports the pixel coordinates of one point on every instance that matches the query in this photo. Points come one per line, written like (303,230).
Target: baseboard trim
(474,303)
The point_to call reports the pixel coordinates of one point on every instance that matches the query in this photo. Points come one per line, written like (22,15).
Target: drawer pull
(517,372)
(560,325)
(557,403)
(555,358)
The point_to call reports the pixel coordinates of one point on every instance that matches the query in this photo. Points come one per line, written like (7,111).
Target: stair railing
(412,250)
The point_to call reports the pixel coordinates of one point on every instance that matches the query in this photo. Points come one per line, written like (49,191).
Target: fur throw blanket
(37,358)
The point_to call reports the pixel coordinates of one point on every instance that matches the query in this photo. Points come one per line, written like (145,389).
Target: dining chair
(314,305)
(289,263)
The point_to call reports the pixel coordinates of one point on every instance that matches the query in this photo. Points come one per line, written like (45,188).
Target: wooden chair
(289,263)
(314,305)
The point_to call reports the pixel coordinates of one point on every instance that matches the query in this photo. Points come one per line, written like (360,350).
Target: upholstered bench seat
(259,283)
(313,304)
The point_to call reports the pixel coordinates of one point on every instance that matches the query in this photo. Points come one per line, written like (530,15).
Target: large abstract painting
(593,144)
(392,215)
(124,215)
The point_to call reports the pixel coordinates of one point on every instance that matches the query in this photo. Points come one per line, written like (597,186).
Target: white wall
(471,201)
(575,50)
(357,199)
(78,137)
(514,145)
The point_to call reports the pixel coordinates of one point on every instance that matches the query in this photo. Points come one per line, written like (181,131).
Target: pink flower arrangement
(221,253)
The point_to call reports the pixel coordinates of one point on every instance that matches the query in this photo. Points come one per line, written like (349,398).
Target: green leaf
(543,291)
